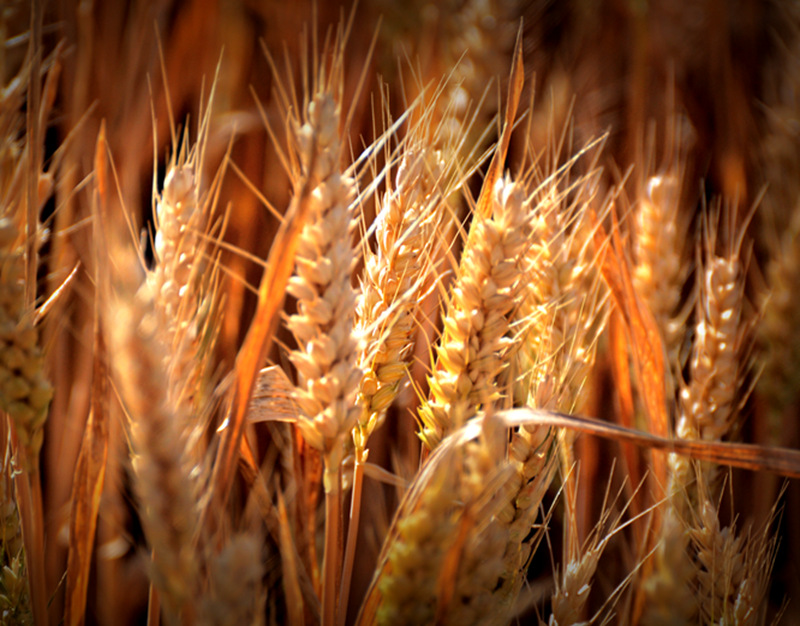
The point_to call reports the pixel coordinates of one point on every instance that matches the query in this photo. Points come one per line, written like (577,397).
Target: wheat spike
(434,564)
(562,312)
(25,393)
(659,273)
(478,41)
(476,341)
(732,568)
(533,458)
(482,564)
(165,481)
(323,324)
(708,403)
(394,278)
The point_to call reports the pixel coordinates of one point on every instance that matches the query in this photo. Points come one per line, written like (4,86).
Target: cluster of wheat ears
(315,314)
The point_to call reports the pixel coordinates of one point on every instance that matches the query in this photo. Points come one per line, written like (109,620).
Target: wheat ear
(158,428)
(435,542)
(479,37)
(323,325)
(708,409)
(476,341)
(394,277)
(562,311)
(660,273)
(733,568)
(25,393)
(708,403)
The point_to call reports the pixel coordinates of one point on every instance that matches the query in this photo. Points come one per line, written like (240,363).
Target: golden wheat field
(458,312)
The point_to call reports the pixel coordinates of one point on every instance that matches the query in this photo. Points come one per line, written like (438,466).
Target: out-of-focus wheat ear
(477,341)
(235,591)
(733,568)
(439,562)
(25,392)
(183,280)
(164,479)
(478,39)
(660,271)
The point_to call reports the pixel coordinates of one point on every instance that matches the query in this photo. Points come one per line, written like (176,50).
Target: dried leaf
(755,458)
(273,398)
(90,468)
(646,342)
